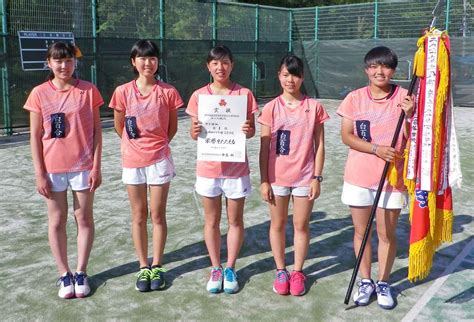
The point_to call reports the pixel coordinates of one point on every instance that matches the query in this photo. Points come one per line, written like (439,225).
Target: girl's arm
(384,152)
(172,124)
(119,120)
(95,176)
(36,130)
(315,186)
(265,187)
(195,128)
(249,126)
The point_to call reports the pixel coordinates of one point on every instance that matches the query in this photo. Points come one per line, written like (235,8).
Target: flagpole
(434,13)
(401,119)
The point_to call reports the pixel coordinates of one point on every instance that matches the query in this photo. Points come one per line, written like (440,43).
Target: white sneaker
(231,285)
(384,296)
(365,292)
(66,286)
(81,284)
(215,281)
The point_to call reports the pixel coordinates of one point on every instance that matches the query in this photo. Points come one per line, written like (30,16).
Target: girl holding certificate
(291,165)
(216,178)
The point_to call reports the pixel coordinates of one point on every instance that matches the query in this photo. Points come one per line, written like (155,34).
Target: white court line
(416,309)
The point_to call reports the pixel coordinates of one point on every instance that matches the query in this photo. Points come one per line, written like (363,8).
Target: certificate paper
(221,138)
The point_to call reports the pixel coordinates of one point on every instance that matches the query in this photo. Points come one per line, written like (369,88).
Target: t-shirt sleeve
(97,100)
(321,114)
(345,109)
(265,117)
(33,103)
(174,99)
(117,102)
(192,108)
(252,106)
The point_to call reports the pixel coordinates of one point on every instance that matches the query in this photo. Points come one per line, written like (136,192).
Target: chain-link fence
(332,40)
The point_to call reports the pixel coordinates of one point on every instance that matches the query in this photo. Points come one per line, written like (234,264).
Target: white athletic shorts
(286,191)
(158,173)
(363,197)
(231,188)
(78,180)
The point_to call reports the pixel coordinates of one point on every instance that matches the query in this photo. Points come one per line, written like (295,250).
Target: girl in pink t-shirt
(369,118)
(291,163)
(216,178)
(66,144)
(145,117)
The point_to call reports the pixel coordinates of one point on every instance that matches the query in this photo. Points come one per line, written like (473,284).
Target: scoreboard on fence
(34,45)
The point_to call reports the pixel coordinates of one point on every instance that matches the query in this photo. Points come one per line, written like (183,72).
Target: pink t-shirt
(291,155)
(145,136)
(213,169)
(374,121)
(68,124)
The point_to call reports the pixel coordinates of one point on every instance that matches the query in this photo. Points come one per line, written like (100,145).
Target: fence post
(5,84)
(316,20)
(290,30)
(256,40)
(214,22)
(376,18)
(448,7)
(162,26)
(94,41)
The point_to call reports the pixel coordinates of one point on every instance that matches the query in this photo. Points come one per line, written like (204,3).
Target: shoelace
(144,274)
(216,274)
(66,280)
(229,275)
(79,279)
(364,287)
(298,277)
(282,276)
(383,289)
(156,272)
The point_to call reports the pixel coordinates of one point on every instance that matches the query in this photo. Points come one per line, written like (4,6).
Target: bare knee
(139,217)
(158,218)
(386,237)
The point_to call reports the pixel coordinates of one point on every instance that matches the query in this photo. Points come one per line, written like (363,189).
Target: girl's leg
(83,213)
(279,217)
(57,218)
(387,220)
(235,233)
(212,234)
(158,198)
(301,213)
(137,195)
(360,218)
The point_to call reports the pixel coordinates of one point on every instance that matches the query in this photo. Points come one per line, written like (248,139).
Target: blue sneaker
(365,292)
(66,286)
(231,284)
(157,279)
(214,285)
(143,280)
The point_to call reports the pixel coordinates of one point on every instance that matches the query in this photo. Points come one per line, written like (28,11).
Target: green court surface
(28,273)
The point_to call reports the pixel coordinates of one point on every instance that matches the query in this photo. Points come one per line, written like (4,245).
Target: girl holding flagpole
(214,179)
(369,118)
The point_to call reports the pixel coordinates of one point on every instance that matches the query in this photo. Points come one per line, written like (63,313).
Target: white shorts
(295,191)
(363,197)
(157,173)
(78,180)
(231,188)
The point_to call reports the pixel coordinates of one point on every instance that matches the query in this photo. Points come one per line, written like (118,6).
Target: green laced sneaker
(157,278)
(143,280)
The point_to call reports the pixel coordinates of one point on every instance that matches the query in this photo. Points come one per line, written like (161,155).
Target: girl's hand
(408,105)
(95,179)
(386,153)
(246,127)
(314,189)
(43,186)
(267,193)
(195,129)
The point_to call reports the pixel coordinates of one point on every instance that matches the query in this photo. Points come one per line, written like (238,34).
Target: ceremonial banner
(221,138)
(432,155)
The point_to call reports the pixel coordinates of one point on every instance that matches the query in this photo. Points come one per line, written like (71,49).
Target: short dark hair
(293,64)
(219,52)
(144,48)
(381,55)
(60,50)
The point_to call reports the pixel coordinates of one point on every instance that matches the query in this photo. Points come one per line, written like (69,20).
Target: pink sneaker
(281,285)
(297,283)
